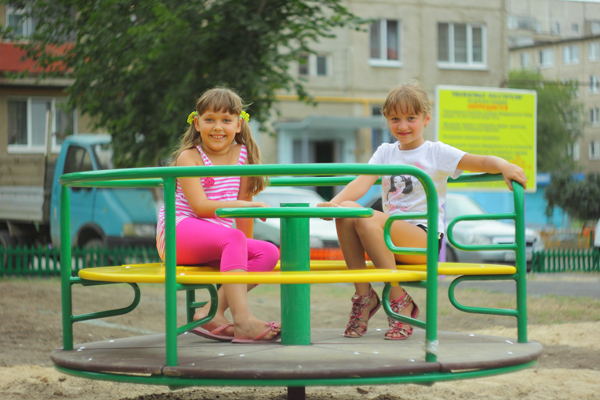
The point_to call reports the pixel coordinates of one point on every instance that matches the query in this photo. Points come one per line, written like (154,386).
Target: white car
(482,233)
(474,232)
(322,233)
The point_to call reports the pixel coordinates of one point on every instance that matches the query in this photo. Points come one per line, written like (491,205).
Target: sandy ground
(30,329)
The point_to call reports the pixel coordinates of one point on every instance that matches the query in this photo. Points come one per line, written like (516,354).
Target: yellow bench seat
(322,271)
(444,268)
(155,273)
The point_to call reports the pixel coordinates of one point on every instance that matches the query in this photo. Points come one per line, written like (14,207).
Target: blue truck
(30,215)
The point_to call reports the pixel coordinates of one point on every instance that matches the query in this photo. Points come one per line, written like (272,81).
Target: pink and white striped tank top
(225,188)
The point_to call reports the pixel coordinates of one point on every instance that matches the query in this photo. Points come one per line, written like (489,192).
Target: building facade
(34,116)
(565,47)
(433,41)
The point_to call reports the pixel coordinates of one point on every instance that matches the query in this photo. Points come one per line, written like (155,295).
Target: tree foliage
(138,66)
(580,198)
(559,118)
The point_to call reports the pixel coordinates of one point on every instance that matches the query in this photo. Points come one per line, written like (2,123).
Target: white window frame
(382,60)
(593,85)
(594,52)
(594,116)
(571,54)
(469,64)
(29,148)
(576,151)
(311,65)
(594,150)
(555,28)
(575,28)
(595,27)
(28,25)
(525,60)
(546,58)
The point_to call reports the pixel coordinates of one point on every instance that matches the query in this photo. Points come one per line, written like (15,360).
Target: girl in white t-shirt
(407,111)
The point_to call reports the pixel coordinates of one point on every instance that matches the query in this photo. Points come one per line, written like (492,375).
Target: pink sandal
(356,315)
(396,326)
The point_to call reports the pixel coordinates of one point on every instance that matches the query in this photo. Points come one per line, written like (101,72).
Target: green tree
(138,66)
(580,198)
(559,118)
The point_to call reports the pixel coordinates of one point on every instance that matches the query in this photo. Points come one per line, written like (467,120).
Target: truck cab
(100,216)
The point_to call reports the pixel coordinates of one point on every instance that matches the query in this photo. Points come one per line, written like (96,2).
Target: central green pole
(295,298)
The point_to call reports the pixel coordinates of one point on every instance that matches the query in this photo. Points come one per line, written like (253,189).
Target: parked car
(322,233)
(473,232)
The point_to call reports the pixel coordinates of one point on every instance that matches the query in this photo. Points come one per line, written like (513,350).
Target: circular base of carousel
(331,359)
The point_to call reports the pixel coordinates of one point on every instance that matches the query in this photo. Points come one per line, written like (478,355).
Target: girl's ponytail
(257,183)
(190,139)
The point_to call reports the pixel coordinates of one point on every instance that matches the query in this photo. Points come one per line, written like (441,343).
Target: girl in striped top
(219,134)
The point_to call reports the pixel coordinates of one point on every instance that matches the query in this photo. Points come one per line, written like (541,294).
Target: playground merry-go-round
(304,356)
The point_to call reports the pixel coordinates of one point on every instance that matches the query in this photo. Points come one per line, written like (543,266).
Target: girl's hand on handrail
(513,172)
(327,204)
(258,204)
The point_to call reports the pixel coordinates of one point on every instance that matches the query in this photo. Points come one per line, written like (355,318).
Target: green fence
(566,260)
(45,261)
(25,261)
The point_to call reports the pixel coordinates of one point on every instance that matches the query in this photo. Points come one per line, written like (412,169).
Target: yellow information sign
(489,121)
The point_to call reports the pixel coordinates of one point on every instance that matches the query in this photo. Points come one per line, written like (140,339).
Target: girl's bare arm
(494,165)
(353,191)
(194,193)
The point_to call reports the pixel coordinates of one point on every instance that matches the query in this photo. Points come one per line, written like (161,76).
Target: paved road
(578,285)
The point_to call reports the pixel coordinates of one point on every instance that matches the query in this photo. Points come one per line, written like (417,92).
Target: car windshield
(275,199)
(104,155)
(457,206)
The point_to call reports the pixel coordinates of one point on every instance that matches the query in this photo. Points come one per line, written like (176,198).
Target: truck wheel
(11,263)
(94,256)
(5,242)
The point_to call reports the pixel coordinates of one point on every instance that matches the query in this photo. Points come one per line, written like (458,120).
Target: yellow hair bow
(191,117)
(244,115)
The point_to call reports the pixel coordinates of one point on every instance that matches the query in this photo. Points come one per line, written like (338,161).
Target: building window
(594,151)
(571,55)
(575,29)
(461,46)
(303,65)
(593,84)
(15,18)
(576,153)
(385,43)
(595,27)
(594,120)
(314,65)
(27,123)
(525,60)
(555,28)
(546,58)
(594,51)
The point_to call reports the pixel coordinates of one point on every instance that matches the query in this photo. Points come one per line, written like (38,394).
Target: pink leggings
(202,242)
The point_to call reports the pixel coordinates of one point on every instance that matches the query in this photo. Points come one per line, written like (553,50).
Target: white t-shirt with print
(405,193)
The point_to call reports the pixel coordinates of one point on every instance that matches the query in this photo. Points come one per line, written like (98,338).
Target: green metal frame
(295,223)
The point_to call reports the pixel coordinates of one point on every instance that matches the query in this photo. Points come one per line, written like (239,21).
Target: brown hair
(408,98)
(224,100)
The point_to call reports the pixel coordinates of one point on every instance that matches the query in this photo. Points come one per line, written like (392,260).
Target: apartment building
(532,21)
(25,143)
(573,59)
(462,42)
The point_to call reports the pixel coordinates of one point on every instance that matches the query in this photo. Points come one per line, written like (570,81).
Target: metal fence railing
(38,261)
(45,261)
(566,260)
